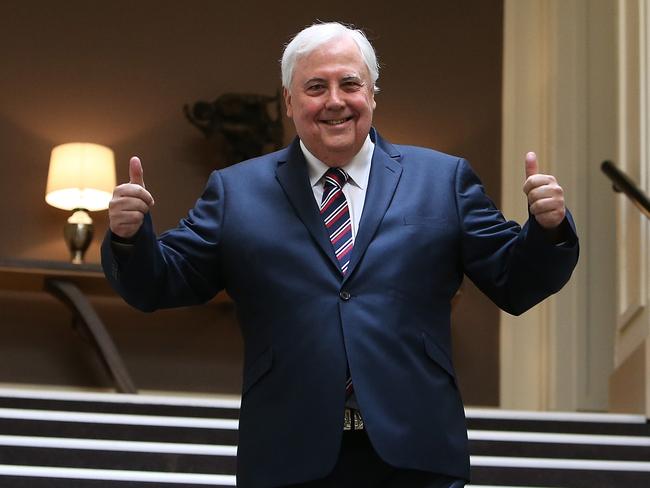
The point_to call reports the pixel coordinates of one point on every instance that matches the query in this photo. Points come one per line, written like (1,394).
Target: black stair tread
(560,427)
(30,482)
(118,418)
(559,451)
(138,461)
(558,478)
(144,433)
(121,408)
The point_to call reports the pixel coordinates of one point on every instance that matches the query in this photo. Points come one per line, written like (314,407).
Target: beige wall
(630,381)
(118,73)
(560,97)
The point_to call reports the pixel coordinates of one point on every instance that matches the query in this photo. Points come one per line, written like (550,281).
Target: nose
(334,100)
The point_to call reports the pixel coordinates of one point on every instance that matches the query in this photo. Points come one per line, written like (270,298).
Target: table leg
(75,300)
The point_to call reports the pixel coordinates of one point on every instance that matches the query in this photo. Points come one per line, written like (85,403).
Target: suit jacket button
(345,295)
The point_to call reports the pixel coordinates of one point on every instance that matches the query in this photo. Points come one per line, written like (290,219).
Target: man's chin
(339,142)
(338,154)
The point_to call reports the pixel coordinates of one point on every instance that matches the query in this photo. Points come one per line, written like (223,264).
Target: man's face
(331,101)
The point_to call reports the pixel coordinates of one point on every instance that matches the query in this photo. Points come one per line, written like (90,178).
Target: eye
(352,85)
(315,88)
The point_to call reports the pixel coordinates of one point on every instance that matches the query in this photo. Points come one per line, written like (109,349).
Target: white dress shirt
(355,189)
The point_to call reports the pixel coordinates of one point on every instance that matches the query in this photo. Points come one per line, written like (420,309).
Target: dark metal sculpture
(240,124)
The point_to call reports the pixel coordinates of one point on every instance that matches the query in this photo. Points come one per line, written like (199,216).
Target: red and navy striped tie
(336,214)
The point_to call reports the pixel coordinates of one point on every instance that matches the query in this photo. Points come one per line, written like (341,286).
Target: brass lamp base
(78,234)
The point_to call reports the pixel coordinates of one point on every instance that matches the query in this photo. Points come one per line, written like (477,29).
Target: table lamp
(81,178)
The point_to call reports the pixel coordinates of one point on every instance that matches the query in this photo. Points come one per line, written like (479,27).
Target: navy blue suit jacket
(257,232)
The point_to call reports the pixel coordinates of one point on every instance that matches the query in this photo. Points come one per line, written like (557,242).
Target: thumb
(532,167)
(136,175)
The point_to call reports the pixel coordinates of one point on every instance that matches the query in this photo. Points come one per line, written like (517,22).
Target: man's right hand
(130,203)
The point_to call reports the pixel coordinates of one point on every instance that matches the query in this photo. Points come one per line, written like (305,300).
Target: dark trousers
(359,466)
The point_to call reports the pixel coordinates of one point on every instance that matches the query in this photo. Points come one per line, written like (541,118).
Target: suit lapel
(385,173)
(294,179)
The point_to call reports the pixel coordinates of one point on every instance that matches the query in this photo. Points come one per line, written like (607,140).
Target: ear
(287,101)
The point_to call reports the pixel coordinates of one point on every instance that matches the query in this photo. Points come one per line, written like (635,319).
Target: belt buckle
(352,420)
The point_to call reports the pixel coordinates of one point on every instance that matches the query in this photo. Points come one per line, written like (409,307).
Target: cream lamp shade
(81,176)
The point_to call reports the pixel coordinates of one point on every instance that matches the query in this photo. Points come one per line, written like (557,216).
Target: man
(343,279)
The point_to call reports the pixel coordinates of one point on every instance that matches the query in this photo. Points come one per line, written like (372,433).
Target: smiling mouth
(336,121)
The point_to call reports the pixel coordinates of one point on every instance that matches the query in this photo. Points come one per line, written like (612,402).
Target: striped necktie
(336,214)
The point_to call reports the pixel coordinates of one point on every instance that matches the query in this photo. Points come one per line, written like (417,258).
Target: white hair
(314,36)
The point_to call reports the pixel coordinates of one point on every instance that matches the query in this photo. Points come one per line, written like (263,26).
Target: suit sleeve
(517,267)
(179,268)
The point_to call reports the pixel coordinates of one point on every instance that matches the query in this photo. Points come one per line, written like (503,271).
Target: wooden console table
(71,284)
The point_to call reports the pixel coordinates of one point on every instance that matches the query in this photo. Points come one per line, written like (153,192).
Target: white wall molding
(631,379)
(559,94)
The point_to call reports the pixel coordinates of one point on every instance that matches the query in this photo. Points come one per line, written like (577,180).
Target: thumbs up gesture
(130,202)
(545,196)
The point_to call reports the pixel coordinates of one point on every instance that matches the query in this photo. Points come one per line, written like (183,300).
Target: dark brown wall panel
(118,73)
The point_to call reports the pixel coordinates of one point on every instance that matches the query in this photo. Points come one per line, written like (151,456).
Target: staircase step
(557,422)
(527,477)
(218,407)
(72,458)
(54,477)
(576,473)
(144,433)
(104,426)
(110,454)
(98,440)
(30,482)
(534,415)
(538,444)
(556,451)
(501,486)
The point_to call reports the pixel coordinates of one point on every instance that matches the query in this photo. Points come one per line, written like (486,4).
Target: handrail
(623,183)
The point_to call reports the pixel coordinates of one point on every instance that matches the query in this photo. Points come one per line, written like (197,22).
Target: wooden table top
(29,275)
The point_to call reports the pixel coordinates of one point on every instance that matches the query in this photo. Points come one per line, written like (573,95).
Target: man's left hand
(545,196)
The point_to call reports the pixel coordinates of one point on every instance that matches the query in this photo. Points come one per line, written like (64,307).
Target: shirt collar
(358,168)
